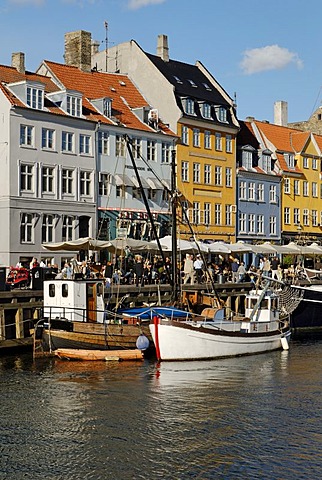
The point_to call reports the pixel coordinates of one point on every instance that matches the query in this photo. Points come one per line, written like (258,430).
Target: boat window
(274,303)
(252,302)
(51,290)
(64,290)
(264,304)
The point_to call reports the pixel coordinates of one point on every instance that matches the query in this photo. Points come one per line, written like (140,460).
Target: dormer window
(290,160)
(206,110)
(192,83)
(73,105)
(265,161)
(103,105)
(107,103)
(207,87)
(35,97)
(247,157)
(31,93)
(221,114)
(189,106)
(177,79)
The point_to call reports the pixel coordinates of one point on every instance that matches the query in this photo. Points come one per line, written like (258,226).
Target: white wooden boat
(200,338)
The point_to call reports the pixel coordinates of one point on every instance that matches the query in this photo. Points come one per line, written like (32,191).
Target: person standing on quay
(138,270)
(188,269)
(198,266)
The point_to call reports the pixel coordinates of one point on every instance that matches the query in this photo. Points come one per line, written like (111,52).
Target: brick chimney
(78,50)
(18,62)
(280,113)
(162,47)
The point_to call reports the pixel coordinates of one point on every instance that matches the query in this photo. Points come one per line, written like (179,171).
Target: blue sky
(263,51)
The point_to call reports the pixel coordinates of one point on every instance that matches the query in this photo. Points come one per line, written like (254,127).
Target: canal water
(255,417)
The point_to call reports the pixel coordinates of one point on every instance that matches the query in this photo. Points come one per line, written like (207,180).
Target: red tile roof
(95,85)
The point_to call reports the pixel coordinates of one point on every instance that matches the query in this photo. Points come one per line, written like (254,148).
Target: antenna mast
(106,44)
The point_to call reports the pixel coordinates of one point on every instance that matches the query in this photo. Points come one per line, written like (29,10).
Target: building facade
(201,113)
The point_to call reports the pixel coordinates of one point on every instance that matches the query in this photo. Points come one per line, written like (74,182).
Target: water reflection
(248,417)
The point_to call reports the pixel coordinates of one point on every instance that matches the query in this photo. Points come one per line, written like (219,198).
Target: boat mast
(174,227)
(129,147)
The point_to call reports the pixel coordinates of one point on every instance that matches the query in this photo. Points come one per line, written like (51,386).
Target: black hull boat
(307,317)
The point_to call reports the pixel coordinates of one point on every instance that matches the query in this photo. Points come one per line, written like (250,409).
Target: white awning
(155,184)
(123,180)
(143,181)
(167,184)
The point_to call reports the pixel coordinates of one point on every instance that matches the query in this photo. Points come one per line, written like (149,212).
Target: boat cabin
(74,300)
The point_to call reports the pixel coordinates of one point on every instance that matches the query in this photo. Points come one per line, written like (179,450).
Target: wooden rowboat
(98,355)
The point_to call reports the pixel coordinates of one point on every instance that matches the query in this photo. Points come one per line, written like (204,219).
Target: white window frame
(306,217)
(68,228)
(103,143)
(260,224)
(165,152)
(217,213)
(273,193)
(85,183)
(260,192)
(68,142)
(47,179)
(120,146)
(26,177)
(196,172)
(272,225)
(243,191)
(207,213)
(73,105)
(287,215)
(251,191)
(218,175)
(184,135)
(85,144)
(35,98)
(305,188)
(207,139)
(151,150)
(242,222)
(297,216)
(67,181)
(229,143)
(228,177)
(47,228)
(196,213)
(207,174)
(185,171)
(218,141)
(196,137)
(27,136)
(48,138)
(27,228)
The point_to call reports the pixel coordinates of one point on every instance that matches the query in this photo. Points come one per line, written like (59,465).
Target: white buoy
(284,343)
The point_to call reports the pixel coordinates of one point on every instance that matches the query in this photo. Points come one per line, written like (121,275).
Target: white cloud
(136,4)
(271,57)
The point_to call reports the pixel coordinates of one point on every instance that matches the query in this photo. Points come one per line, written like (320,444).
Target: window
(217,214)
(196,137)
(287,216)
(73,106)
(196,213)
(103,143)
(107,107)
(85,183)
(222,114)
(272,225)
(67,181)
(247,159)
(84,144)
(189,106)
(26,228)
(297,216)
(120,146)
(47,229)
(306,222)
(260,224)
(184,210)
(207,213)
(47,180)
(35,98)
(184,135)
(251,191)
(165,152)
(314,163)
(287,185)
(314,189)
(305,189)
(185,171)
(296,187)
(196,173)
(229,144)
(68,142)
(151,151)
(120,191)
(26,135)
(314,218)
(272,193)
(228,177)
(104,184)
(260,192)
(67,230)
(47,138)
(228,215)
(218,145)
(251,223)
(207,174)
(206,110)
(218,175)
(305,162)
(242,191)
(207,139)
(26,177)
(136,147)
(290,160)
(242,222)
(266,162)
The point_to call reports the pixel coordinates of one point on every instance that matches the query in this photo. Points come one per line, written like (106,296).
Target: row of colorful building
(65,136)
